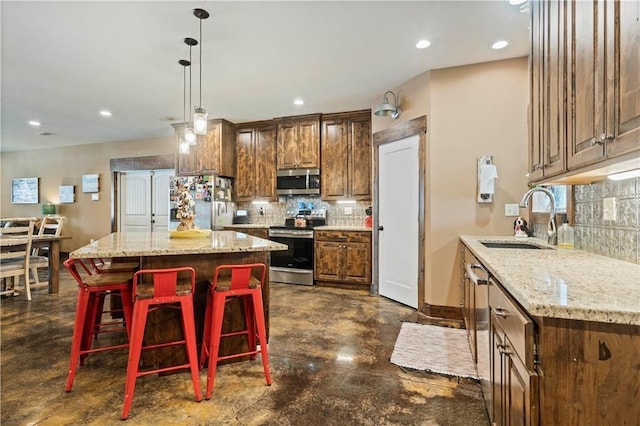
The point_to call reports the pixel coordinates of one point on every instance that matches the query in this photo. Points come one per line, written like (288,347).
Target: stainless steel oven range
(295,265)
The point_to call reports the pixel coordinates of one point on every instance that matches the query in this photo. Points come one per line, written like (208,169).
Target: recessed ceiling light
(499,44)
(423,44)
(298,101)
(516,2)
(105,113)
(35,123)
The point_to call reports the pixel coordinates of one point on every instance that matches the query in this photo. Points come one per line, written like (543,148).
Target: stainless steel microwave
(298,181)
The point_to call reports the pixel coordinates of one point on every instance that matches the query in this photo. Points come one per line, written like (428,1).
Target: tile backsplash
(276,212)
(619,238)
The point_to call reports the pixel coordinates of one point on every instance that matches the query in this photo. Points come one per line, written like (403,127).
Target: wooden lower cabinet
(514,391)
(342,257)
(589,373)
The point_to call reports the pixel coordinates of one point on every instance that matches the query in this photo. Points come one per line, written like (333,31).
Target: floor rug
(435,349)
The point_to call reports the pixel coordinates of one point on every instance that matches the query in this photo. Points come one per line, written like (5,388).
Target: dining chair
(15,249)
(39,255)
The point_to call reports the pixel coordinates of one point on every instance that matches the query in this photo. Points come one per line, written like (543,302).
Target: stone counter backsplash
(277,212)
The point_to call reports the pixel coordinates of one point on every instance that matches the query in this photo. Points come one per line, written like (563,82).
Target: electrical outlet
(609,209)
(511,210)
(348,210)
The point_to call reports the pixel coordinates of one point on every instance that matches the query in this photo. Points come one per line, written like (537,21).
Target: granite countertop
(570,284)
(342,228)
(129,244)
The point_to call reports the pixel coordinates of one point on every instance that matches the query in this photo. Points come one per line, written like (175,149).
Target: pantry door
(399,212)
(398,221)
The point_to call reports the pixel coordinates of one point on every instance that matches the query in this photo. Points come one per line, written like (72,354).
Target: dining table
(52,242)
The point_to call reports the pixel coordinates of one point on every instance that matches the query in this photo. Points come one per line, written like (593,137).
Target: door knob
(380,228)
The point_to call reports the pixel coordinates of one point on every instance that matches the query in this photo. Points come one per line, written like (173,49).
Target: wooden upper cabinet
(299,142)
(586,82)
(547,135)
(623,123)
(214,153)
(584,85)
(604,75)
(217,150)
(256,161)
(346,156)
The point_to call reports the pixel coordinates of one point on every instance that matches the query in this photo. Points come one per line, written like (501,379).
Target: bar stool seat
(101,267)
(152,289)
(91,292)
(239,283)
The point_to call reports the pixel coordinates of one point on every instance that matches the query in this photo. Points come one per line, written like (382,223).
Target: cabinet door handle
(537,167)
(469,267)
(501,312)
(504,349)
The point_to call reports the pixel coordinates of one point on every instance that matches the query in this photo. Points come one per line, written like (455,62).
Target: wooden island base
(165,324)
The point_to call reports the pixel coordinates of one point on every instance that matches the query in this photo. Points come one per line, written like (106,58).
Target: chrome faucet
(551,226)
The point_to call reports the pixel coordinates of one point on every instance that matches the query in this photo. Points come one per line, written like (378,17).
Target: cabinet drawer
(517,325)
(343,236)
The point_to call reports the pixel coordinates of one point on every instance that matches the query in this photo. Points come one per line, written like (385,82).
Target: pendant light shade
(388,109)
(200,114)
(200,121)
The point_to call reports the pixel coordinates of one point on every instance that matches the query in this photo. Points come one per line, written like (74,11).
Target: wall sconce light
(200,115)
(386,108)
(48,209)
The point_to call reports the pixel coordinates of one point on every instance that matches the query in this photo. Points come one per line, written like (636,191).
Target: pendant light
(200,114)
(189,134)
(184,145)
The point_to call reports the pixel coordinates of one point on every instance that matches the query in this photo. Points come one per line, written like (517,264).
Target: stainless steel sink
(511,245)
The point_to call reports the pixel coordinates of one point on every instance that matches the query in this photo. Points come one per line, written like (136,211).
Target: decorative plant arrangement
(185,209)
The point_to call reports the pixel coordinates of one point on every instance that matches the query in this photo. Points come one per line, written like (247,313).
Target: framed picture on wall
(66,193)
(91,183)
(25,191)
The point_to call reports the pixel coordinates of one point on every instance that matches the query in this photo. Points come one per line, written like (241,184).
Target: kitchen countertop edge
(566,284)
(135,244)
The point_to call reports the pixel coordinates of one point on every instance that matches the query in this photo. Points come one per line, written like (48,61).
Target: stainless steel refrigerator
(212,195)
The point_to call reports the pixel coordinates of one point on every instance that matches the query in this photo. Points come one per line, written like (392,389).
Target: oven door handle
(301,235)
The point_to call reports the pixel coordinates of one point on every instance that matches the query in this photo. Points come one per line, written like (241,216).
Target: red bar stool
(241,284)
(91,291)
(165,289)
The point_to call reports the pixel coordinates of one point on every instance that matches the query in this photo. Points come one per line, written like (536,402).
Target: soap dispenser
(566,237)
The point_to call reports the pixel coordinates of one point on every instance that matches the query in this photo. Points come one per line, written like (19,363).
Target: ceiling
(62,62)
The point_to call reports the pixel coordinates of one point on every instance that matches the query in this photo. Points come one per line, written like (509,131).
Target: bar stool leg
(189,330)
(214,344)
(208,318)
(262,335)
(249,319)
(78,328)
(140,310)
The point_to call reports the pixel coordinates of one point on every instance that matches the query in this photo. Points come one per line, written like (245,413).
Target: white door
(144,201)
(160,185)
(398,217)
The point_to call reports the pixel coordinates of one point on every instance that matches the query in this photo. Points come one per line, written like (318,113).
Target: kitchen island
(564,334)
(157,250)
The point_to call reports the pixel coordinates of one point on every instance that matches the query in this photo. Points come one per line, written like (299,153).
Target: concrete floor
(329,355)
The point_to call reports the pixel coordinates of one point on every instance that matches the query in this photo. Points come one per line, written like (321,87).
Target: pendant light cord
(200,62)
(190,82)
